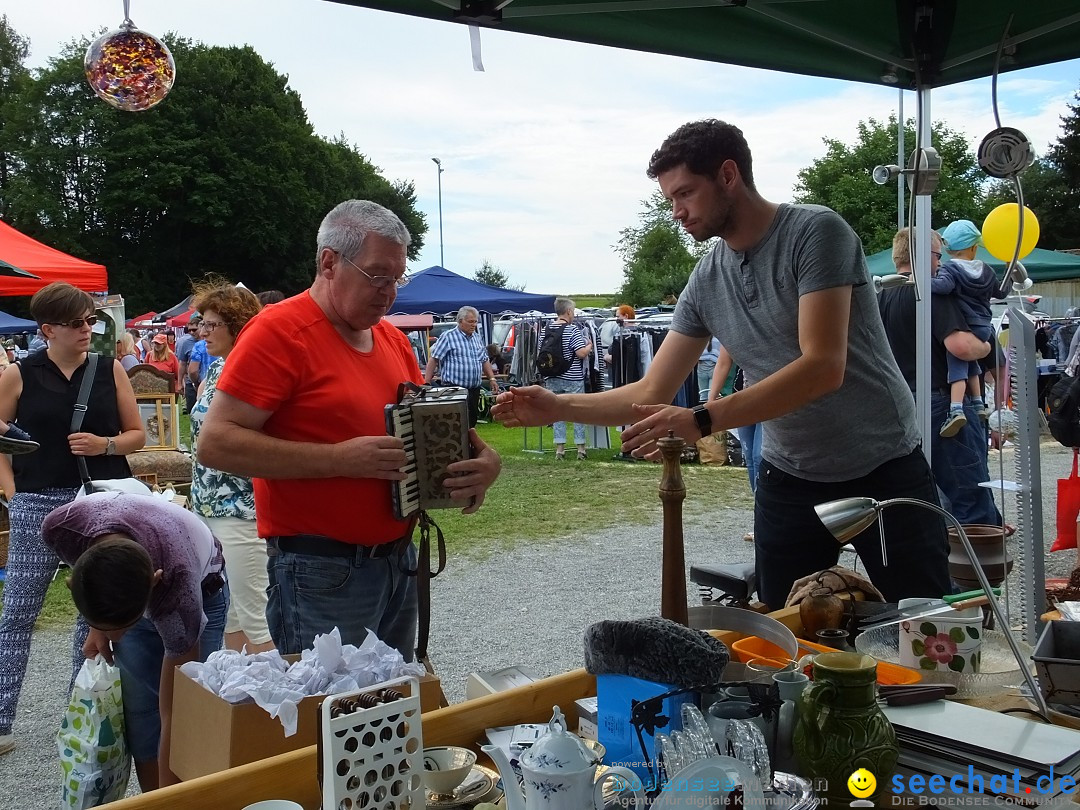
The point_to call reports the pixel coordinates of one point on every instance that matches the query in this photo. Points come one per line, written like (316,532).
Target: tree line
(658,256)
(225,176)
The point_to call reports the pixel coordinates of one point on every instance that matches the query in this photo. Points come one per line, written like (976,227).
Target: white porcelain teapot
(559,773)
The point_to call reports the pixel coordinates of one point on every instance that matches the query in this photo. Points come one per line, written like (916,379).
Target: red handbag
(1068,507)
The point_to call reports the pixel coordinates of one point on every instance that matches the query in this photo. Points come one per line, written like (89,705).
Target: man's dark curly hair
(703,146)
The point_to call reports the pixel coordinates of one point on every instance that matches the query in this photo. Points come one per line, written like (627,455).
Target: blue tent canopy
(439,291)
(1041,265)
(10,325)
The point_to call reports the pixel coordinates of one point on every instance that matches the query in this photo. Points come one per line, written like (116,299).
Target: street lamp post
(438,163)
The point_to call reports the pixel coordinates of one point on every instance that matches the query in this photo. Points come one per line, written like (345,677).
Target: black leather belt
(318,545)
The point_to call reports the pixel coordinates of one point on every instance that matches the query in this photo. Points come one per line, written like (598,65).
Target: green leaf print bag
(93,756)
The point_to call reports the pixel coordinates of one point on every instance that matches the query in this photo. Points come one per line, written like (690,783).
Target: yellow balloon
(1000,229)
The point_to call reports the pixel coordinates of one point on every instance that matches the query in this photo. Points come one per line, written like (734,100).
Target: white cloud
(545,152)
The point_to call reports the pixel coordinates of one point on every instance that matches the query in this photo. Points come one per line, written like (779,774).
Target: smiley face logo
(861,783)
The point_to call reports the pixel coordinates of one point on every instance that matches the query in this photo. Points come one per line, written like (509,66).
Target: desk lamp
(847,517)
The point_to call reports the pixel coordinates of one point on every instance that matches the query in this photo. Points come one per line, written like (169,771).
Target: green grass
(540,500)
(591,300)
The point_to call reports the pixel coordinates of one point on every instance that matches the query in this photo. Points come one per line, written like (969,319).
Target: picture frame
(159,415)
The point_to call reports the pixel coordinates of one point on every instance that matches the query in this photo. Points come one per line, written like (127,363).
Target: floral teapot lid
(558,751)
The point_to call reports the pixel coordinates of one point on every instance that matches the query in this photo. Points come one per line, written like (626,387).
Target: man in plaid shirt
(461,358)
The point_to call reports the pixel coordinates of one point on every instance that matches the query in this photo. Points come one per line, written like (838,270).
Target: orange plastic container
(753,648)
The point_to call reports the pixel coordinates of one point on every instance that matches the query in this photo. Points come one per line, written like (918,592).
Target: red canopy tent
(47,263)
(180,320)
(147,317)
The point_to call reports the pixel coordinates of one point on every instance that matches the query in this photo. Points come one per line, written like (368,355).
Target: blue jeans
(705,370)
(560,386)
(791,542)
(311,595)
(140,654)
(962,369)
(960,465)
(750,441)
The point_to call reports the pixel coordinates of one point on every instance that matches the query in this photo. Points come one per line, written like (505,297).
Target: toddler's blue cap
(961,235)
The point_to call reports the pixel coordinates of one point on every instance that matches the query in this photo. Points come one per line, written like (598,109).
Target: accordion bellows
(434,424)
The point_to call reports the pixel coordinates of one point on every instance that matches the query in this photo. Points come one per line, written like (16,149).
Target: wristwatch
(110,448)
(703,420)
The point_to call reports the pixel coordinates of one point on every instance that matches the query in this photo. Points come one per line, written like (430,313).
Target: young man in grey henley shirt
(786,291)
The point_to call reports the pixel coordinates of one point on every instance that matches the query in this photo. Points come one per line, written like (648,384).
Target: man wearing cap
(973,284)
(461,357)
(313,437)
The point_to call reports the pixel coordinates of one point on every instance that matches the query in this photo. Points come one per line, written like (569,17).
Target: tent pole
(921,228)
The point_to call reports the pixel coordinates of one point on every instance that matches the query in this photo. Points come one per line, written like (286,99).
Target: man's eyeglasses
(936,255)
(89,320)
(379,282)
(210,326)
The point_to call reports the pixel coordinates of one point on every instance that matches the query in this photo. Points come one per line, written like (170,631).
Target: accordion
(434,424)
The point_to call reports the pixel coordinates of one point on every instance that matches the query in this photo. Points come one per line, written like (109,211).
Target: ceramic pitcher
(840,727)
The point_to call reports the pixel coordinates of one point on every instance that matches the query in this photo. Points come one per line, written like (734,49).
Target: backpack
(1064,417)
(551,360)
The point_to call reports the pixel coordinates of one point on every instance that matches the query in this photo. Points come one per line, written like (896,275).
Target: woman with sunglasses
(162,358)
(40,393)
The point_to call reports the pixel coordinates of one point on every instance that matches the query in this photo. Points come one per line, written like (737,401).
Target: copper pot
(988,543)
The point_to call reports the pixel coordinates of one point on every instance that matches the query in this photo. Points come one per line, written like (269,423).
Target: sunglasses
(89,320)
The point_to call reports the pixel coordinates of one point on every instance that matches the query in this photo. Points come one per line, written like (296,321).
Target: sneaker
(581,455)
(7,743)
(953,424)
(17,441)
(984,412)
(560,456)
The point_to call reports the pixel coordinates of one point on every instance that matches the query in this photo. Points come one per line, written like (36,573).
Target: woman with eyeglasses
(226,502)
(40,394)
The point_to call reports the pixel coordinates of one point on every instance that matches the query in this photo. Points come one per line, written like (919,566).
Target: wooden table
(293,775)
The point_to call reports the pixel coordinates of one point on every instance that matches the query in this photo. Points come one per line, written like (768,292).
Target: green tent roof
(859,40)
(1042,265)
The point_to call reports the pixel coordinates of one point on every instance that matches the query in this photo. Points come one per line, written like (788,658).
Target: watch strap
(703,420)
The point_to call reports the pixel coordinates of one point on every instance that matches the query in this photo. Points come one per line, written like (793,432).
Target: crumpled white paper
(329,668)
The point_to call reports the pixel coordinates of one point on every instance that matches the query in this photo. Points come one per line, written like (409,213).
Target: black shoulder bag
(80,413)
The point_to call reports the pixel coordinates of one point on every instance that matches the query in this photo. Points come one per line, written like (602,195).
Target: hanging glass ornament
(128,68)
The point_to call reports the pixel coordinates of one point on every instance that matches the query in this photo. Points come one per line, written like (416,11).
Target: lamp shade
(847,517)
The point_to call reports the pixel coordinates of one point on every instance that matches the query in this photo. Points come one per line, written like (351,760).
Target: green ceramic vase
(841,728)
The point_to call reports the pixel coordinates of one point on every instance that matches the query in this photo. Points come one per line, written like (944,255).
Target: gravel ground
(528,607)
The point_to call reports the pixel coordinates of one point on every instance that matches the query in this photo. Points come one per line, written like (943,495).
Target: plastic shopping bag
(1068,507)
(93,756)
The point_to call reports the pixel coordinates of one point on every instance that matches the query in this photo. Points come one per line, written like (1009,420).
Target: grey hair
(465,312)
(563,305)
(344,229)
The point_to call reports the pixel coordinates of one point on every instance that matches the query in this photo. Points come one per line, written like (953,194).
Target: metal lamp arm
(995,608)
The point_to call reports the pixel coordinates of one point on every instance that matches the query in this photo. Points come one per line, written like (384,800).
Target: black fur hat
(655,649)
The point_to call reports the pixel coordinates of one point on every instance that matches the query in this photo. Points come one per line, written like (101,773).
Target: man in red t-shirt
(299,408)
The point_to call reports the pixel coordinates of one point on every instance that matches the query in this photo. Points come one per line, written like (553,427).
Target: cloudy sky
(544,153)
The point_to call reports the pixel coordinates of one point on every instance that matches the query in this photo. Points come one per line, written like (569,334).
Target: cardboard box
(587,714)
(616,697)
(480,684)
(210,735)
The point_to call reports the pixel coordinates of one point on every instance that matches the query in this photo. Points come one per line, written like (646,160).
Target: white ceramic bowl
(446,767)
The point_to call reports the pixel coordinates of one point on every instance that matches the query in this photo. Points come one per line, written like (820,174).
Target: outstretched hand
(656,423)
(530,406)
